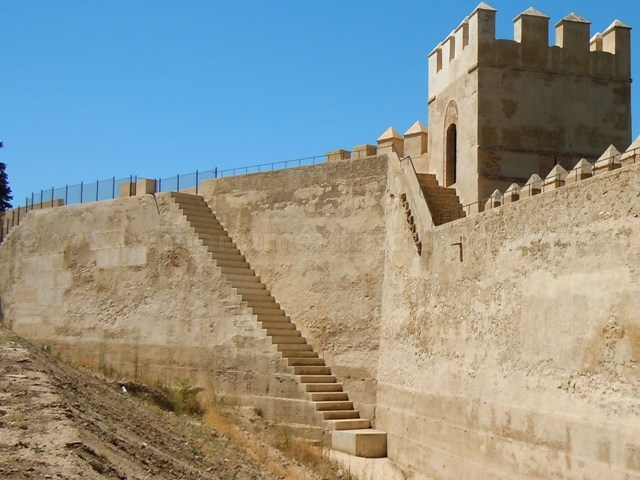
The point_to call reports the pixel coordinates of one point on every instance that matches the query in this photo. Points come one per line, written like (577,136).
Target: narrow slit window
(451,155)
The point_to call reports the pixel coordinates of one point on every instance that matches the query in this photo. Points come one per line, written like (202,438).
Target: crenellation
(482,25)
(574,52)
(532,187)
(416,140)
(531,30)
(572,33)
(609,160)
(572,36)
(391,141)
(632,154)
(616,40)
(556,178)
(512,194)
(582,171)
(595,44)
(462,35)
(449,48)
(494,201)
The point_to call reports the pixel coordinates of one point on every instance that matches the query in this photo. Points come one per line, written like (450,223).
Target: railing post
(52,189)
(178,182)
(159,185)
(41,195)
(66,194)
(196,182)
(215,172)
(97,189)
(81,191)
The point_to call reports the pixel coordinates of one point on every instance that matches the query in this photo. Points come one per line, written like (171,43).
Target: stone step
(236,280)
(201,214)
(205,224)
(188,199)
(284,326)
(226,248)
(312,370)
(329,397)
(427,180)
(298,354)
(297,362)
(275,311)
(251,294)
(283,332)
(294,347)
(288,340)
(333,405)
(221,262)
(273,318)
(349,424)
(367,443)
(218,243)
(248,272)
(443,193)
(261,303)
(340,414)
(323,387)
(316,378)
(188,208)
(212,234)
(443,200)
(248,287)
(226,255)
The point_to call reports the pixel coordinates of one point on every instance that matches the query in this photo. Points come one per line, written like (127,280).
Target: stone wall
(315,235)
(508,348)
(125,287)
(511,347)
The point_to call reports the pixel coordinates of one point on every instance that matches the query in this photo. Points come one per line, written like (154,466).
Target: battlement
(576,52)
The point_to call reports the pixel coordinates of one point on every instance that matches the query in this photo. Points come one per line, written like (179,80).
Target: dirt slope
(59,422)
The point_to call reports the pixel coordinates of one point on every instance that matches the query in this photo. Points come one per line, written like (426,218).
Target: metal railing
(85,192)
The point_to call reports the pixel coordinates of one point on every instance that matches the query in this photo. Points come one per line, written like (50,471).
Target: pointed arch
(450,144)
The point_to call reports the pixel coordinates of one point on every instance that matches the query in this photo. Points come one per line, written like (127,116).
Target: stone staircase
(350,433)
(443,202)
(411,222)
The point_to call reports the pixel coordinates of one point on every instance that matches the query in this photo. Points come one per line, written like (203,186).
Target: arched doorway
(451,155)
(450,170)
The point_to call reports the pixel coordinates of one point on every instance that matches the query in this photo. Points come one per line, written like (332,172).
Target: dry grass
(267,444)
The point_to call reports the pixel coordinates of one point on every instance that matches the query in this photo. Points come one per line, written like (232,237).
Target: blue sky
(95,89)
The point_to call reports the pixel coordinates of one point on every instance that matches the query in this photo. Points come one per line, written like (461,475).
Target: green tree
(5,189)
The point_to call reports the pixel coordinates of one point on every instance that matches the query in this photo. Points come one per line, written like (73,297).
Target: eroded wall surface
(125,287)
(511,349)
(316,235)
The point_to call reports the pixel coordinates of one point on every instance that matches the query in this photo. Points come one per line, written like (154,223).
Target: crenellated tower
(502,110)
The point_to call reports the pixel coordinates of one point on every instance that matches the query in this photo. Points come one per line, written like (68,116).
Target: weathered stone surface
(582,170)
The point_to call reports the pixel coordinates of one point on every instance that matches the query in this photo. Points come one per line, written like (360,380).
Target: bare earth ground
(61,422)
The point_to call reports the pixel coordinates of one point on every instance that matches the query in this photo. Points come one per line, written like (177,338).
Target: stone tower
(502,110)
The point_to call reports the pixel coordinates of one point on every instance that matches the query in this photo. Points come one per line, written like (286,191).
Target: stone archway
(451,144)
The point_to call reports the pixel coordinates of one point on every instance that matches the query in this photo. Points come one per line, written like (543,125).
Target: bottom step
(367,443)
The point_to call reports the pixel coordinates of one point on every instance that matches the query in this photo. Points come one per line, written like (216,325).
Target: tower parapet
(473,42)
(501,110)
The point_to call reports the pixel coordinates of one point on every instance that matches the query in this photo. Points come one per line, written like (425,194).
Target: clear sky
(93,89)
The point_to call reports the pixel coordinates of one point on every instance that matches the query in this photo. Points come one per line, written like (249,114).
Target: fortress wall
(124,286)
(315,235)
(517,354)
(513,146)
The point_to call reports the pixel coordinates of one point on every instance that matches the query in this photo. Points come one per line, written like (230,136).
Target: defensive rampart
(508,347)
(511,347)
